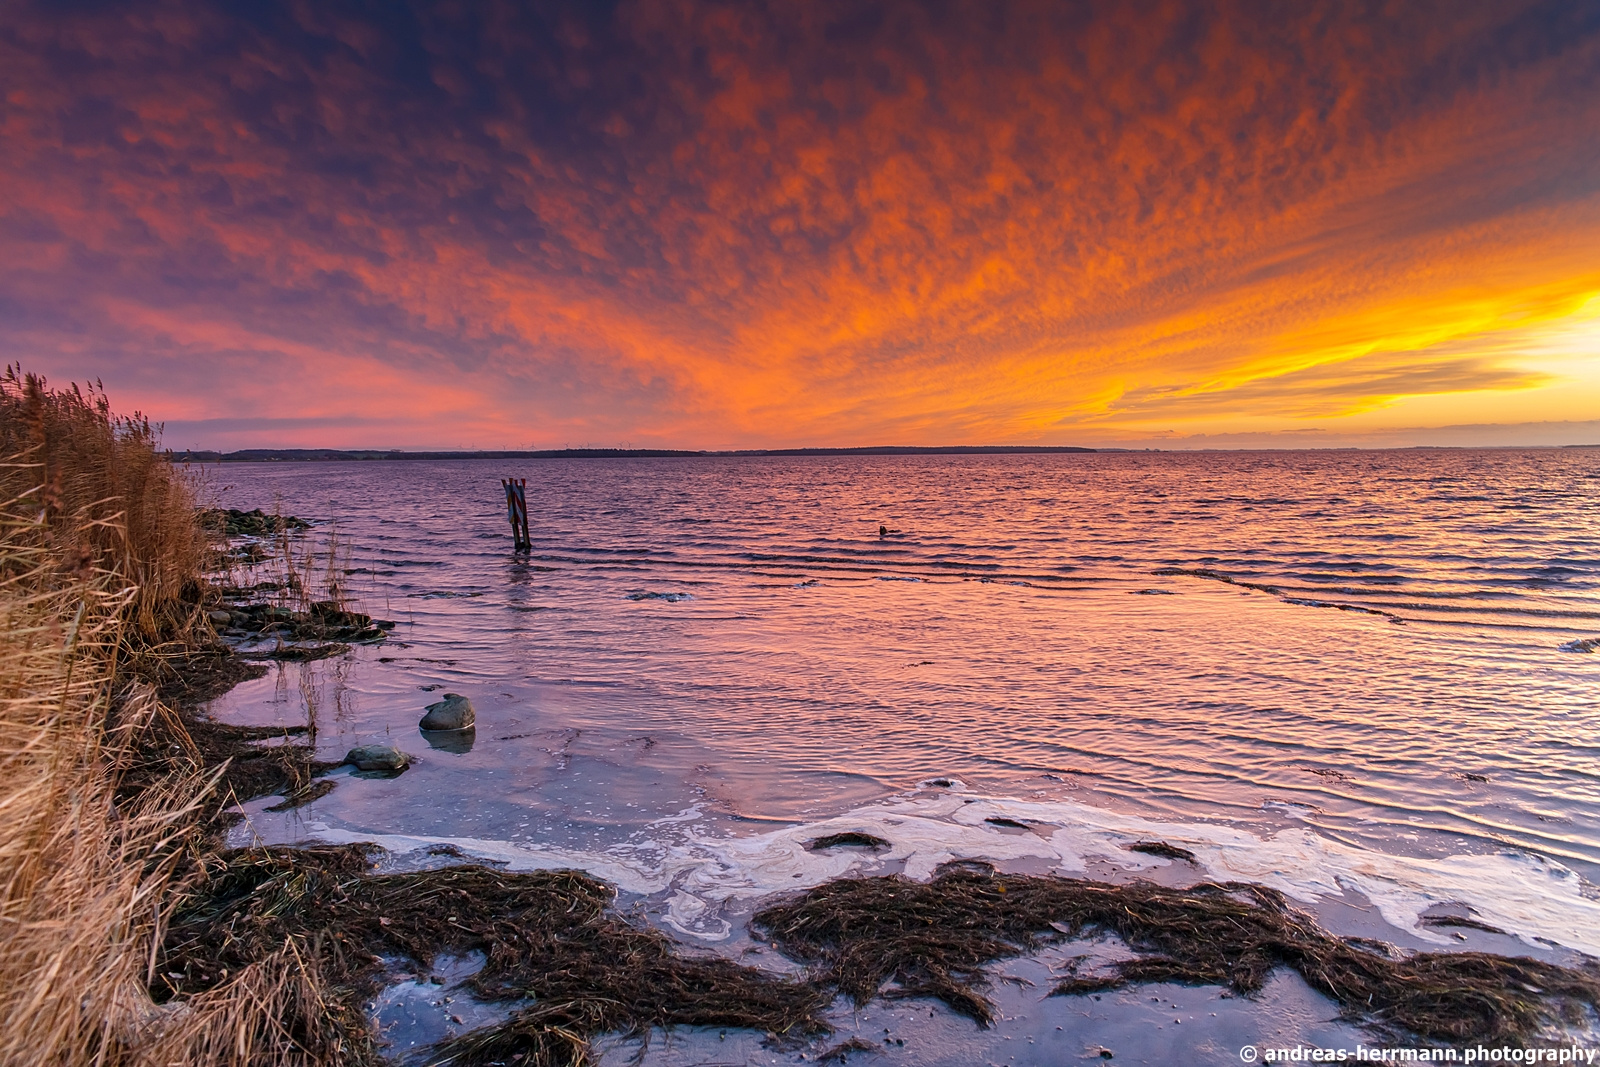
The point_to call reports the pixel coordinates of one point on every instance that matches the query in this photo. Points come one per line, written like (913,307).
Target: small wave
(1309,603)
(897,578)
(1277,591)
(1297,809)
(1582,644)
(1480,609)
(671,598)
(440,595)
(1215,576)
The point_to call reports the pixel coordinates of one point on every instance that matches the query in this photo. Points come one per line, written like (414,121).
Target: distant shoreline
(334,455)
(314,455)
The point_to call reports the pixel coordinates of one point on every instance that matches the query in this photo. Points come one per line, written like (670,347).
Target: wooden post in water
(520,487)
(517,511)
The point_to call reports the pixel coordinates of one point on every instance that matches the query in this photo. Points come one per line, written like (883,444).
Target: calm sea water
(1338,672)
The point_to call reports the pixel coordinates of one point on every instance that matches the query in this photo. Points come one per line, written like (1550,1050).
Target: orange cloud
(710,225)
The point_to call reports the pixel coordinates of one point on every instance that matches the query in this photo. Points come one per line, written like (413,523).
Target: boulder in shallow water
(454,712)
(378,758)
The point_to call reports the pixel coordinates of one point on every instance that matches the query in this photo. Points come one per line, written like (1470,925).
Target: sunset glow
(702,225)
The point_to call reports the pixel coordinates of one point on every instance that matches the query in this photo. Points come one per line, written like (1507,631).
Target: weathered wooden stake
(517,512)
(522,513)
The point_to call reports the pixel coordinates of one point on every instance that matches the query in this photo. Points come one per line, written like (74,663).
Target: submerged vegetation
(133,938)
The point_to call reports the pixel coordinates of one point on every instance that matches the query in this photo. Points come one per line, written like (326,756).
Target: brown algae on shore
(1162,849)
(555,939)
(179,741)
(849,839)
(552,936)
(933,939)
(232,522)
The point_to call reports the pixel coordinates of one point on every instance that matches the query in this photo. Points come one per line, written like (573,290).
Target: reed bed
(98,496)
(101,784)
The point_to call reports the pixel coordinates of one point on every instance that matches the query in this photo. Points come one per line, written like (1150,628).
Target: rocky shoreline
(325,629)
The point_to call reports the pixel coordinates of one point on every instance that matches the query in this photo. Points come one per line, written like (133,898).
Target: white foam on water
(698,869)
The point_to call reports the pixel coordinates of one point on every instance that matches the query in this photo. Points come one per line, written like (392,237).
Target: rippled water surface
(1346,656)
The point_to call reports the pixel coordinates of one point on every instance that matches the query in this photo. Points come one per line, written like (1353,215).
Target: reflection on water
(459,742)
(1154,635)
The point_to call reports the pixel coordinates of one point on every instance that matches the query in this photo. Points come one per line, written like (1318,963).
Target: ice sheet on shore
(702,872)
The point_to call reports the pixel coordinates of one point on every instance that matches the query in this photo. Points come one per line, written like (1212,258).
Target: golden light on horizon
(691,225)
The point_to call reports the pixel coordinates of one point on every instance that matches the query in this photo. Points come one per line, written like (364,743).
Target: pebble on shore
(378,758)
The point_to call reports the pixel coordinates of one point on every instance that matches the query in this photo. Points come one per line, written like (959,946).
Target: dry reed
(101,497)
(100,594)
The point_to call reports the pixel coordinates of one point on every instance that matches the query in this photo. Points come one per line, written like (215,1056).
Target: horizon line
(315,455)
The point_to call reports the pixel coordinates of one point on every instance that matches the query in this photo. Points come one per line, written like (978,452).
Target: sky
(744,225)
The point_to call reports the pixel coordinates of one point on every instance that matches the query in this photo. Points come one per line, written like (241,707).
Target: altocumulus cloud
(709,224)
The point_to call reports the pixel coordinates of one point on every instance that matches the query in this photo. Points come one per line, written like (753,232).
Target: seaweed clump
(848,839)
(245,762)
(548,936)
(232,522)
(933,940)
(324,621)
(1162,849)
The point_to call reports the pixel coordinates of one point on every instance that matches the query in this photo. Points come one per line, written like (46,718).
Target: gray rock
(454,712)
(378,758)
(219,618)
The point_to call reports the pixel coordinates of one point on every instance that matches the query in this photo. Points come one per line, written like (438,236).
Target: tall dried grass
(99,580)
(102,496)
